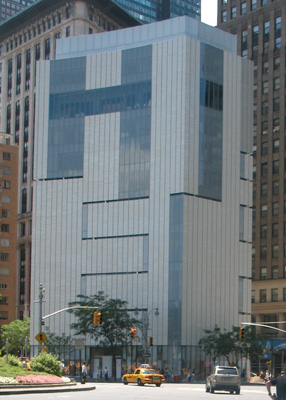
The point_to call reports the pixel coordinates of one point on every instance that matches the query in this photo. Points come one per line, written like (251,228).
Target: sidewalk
(46,388)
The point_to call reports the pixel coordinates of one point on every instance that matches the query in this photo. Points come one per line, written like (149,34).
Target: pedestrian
(63,366)
(280,384)
(83,373)
(105,374)
(189,376)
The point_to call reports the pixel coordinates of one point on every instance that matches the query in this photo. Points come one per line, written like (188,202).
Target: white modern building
(143,187)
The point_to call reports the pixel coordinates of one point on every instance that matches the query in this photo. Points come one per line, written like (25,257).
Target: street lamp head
(136,312)
(156,312)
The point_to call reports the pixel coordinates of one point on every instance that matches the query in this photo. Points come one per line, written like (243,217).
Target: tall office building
(25,39)
(158,10)
(8,8)
(260,29)
(8,222)
(143,184)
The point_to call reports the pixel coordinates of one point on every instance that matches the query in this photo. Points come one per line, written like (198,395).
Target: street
(110,391)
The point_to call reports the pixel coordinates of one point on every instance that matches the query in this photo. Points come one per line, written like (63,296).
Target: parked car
(142,376)
(224,378)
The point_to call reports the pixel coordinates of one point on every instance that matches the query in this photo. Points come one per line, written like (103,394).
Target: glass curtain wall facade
(158,10)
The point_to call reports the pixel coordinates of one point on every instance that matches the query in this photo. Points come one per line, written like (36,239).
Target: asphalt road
(117,391)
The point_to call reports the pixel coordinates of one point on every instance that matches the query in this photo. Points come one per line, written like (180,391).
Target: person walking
(280,383)
(105,374)
(83,373)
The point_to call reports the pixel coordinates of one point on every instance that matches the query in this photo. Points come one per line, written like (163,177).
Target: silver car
(224,378)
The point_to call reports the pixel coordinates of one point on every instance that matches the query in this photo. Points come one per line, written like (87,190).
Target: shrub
(46,362)
(14,361)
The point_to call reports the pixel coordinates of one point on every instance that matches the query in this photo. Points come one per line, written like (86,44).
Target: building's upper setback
(158,10)
(145,35)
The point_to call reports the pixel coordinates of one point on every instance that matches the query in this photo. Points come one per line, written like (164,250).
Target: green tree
(116,321)
(58,345)
(16,332)
(217,344)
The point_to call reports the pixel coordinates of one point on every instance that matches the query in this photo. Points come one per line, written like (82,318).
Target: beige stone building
(8,221)
(26,38)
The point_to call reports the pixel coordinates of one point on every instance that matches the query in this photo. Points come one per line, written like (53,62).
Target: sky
(209,12)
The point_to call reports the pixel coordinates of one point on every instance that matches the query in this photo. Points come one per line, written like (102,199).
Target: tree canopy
(58,345)
(116,321)
(218,344)
(16,332)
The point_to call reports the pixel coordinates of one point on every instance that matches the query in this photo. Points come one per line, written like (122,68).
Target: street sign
(41,337)
(79,344)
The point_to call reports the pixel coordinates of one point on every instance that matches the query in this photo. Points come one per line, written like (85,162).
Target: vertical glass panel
(175,269)
(210,128)
(135,123)
(66,129)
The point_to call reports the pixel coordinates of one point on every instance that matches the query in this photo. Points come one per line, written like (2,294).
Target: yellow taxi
(144,375)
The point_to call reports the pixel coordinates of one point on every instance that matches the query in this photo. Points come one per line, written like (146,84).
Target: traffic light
(133,333)
(97,318)
(241,333)
(150,341)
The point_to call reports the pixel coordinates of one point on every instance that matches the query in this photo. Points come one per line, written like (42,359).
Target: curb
(45,389)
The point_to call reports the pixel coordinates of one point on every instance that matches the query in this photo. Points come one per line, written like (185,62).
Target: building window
(262,295)
(253,4)
(264,127)
(5,228)
(276,167)
(275,230)
(265,67)
(264,189)
(233,12)
(276,144)
(6,156)
(284,294)
(275,187)
(264,148)
(263,252)
(224,16)
(255,32)
(276,125)
(263,232)
(265,87)
(275,251)
(264,107)
(47,49)
(275,209)
(276,104)
(264,210)
(243,8)
(278,43)
(252,296)
(264,169)
(6,184)
(274,294)
(276,83)
(276,63)
(24,200)
(68,31)
(263,2)
(253,254)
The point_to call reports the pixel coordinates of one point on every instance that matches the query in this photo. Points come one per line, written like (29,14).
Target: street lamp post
(41,300)
(156,313)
